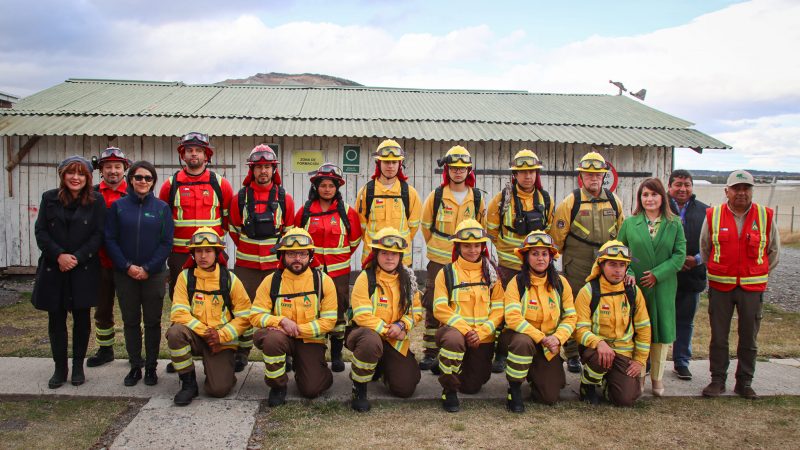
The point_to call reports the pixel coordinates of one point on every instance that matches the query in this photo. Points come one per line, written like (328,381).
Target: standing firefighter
(583,221)
(454,201)
(294,310)
(385,308)
(210,310)
(613,329)
(519,209)
(468,301)
(387,200)
(334,226)
(112,165)
(261,213)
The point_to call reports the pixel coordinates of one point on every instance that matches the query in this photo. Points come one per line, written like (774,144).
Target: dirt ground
(784,281)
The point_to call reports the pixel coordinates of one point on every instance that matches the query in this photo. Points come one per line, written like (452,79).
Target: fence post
(791,227)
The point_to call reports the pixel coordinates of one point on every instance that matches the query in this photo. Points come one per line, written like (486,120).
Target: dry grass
(695,423)
(56,424)
(790,239)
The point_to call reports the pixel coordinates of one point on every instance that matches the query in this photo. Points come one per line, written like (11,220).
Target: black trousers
(141,300)
(57,330)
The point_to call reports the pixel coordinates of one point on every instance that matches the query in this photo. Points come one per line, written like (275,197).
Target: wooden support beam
(14,160)
(9,155)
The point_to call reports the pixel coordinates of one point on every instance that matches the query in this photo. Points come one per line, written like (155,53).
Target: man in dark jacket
(692,277)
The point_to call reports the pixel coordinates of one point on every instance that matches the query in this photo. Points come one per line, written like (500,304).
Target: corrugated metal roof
(109,107)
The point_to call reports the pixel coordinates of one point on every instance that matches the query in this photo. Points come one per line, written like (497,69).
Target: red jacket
(738,260)
(196,205)
(110,196)
(334,246)
(252,252)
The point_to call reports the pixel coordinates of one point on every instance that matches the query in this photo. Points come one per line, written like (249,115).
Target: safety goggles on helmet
(595,164)
(384,152)
(527,161)
(470,233)
(329,169)
(112,152)
(195,138)
(538,239)
(210,238)
(457,158)
(615,250)
(267,156)
(393,242)
(295,240)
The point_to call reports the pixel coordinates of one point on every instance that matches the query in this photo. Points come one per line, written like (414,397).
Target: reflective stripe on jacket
(739,260)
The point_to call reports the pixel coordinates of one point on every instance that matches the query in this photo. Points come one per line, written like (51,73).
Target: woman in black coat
(69,232)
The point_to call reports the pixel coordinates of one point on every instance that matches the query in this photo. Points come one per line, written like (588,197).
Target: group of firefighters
(289,291)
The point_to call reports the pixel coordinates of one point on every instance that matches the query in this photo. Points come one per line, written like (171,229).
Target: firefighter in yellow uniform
(294,310)
(386,307)
(388,200)
(583,221)
(540,317)
(520,208)
(613,330)
(468,301)
(210,311)
(454,201)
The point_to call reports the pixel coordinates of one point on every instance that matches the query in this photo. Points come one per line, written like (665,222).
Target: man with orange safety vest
(740,244)
(261,213)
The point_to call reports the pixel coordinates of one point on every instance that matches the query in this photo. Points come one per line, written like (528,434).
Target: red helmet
(113,154)
(328,170)
(262,154)
(196,139)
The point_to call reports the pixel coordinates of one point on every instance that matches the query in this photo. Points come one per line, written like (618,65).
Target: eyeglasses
(296,254)
(390,151)
(616,250)
(471,233)
(112,151)
(526,161)
(146,178)
(210,238)
(538,238)
(450,159)
(296,241)
(195,137)
(593,164)
(393,241)
(266,155)
(458,169)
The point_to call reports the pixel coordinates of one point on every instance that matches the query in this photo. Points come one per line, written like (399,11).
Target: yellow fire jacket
(388,212)
(507,241)
(611,321)
(298,302)
(540,311)
(450,214)
(208,311)
(382,309)
(469,308)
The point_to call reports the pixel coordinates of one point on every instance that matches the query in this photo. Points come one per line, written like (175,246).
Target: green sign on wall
(351,156)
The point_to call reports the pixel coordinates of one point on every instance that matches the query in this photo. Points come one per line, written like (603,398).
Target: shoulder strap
(404,197)
(546,200)
(437,203)
(306,213)
(476,201)
(275,286)
(173,188)
(520,285)
(595,284)
(214,182)
(225,285)
(576,205)
(448,278)
(242,198)
(370,197)
(281,199)
(613,202)
(317,274)
(372,282)
(342,207)
(630,292)
(191,284)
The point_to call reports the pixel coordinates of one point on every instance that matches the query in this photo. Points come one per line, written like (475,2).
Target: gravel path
(783,288)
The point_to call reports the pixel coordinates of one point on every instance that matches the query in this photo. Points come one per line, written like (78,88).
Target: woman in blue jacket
(139,239)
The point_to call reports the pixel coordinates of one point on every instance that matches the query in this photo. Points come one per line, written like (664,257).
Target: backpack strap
(437,203)
(546,202)
(275,286)
(476,202)
(173,188)
(595,284)
(630,294)
(372,282)
(213,180)
(370,197)
(404,198)
(576,205)
(225,286)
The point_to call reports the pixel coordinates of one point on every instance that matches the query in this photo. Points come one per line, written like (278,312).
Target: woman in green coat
(656,240)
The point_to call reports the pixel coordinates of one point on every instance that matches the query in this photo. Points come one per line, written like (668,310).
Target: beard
(298,268)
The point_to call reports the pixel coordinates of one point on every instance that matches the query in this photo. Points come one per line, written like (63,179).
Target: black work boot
(435,369)
(240,362)
(499,363)
(105,354)
(378,372)
(289,366)
(170,368)
(359,402)
(337,365)
(133,376)
(428,362)
(59,375)
(277,397)
(150,376)
(450,401)
(574,364)
(188,389)
(588,394)
(78,378)
(514,400)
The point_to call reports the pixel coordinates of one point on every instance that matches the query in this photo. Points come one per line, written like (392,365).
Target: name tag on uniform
(608,212)
(383,301)
(605,309)
(585,212)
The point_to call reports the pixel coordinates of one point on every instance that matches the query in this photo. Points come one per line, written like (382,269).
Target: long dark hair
(147,165)
(313,194)
(551,273)
(655,185)
(403,276)
(85,196)
(485,262)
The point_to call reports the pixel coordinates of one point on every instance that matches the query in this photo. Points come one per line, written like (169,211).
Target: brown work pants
(748,306)
(400,373)
(342,284)
(251,279)
(218,367)
(621,389)
(175,262)
(463,369)
(311,372)
(526,361)
(104,311)
(431,324)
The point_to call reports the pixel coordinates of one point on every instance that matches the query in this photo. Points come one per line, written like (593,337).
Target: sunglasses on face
(471,233)
(526,161)
(393,242)
(195,137)
(593,164)
(616,251)
(146,178)
(536,239)
(199,238)
(390,151)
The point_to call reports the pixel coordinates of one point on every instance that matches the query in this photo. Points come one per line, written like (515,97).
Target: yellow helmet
(295,239)
(457,156)
(592,162)
(205,237)
(614,250)
(470,231)
(525,160)
(389,239)
(389,150)
(537,238)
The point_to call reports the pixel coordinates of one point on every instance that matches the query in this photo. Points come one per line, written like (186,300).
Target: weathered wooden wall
(37,172)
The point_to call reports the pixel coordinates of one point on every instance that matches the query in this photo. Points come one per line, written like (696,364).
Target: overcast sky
(731,67)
